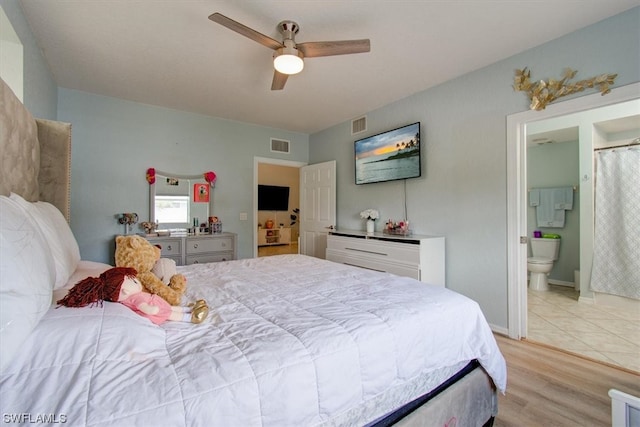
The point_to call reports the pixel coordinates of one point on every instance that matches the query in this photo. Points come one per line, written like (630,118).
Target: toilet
(545,252)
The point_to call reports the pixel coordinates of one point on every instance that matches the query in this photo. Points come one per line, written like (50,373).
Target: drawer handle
(195,246)
(362,266)
(224,245)
(368,252)
(196,262)
(168,247)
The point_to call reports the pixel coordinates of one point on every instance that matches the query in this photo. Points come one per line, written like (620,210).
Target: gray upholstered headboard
(35,154)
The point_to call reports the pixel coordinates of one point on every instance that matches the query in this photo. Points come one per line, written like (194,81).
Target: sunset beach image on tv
(388,156)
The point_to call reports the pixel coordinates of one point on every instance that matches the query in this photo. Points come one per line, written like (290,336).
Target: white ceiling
(168,53)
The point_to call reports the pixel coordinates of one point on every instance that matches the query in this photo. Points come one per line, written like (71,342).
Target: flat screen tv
(273,198)
(388,156)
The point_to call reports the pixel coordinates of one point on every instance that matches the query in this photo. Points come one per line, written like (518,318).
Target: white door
(317,207)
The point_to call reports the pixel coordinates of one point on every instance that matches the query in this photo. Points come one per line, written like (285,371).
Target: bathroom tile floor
(599,332)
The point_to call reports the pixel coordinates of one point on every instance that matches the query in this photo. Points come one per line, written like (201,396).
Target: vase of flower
(370,215)
(371,226)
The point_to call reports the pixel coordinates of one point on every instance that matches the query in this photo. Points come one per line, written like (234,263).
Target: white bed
(290,341)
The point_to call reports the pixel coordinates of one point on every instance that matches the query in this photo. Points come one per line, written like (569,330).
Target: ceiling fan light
(288,61)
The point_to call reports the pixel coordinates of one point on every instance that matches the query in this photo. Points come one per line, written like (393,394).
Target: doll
(120,284)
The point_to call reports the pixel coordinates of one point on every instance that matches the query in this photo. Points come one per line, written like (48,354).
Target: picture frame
(201,193)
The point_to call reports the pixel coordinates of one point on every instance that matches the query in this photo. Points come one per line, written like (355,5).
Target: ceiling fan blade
(245,31)
(338,47)
(279,79)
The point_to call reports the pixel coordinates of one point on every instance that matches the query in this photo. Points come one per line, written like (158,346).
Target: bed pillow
(83,270)
(27,275)
(56,230)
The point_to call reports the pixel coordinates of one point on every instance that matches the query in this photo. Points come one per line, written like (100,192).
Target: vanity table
(178,201)
(196,249)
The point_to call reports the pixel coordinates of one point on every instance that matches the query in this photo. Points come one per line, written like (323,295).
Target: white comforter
(291,341)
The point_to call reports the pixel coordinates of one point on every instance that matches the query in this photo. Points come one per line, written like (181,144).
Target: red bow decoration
(151,176)
(210,177)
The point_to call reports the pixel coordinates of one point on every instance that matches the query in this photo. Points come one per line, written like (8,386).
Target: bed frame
(36,164)
(36,154)
(470,391)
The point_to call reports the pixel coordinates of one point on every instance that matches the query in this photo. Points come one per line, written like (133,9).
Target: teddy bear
(165,269)
(138,253)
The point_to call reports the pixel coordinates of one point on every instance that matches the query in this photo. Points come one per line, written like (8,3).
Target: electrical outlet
(243,216)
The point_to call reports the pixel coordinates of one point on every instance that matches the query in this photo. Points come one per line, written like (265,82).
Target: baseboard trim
(499,329)
(587,300)
(562,283)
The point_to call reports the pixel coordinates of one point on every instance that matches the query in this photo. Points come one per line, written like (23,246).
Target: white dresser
(417,256)
(194,249)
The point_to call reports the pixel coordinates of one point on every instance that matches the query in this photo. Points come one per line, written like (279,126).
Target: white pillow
(27,275)
(58,235)
(83,270)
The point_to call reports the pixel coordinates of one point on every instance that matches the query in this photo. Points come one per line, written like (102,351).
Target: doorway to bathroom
(569,315)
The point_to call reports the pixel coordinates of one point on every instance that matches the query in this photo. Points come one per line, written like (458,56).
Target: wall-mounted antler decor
(543,92)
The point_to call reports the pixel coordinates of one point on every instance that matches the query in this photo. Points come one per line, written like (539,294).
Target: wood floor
(547,387)
(278,249)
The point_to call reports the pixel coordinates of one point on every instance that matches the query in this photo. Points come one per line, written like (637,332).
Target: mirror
(176,201)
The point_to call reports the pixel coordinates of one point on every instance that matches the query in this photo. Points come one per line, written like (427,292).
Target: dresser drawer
(169,248)
(208,244)
(383,251)
(190,249)
(358,260)
(212,257)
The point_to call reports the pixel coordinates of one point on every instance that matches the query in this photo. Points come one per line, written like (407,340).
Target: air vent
(541,141)
(358,125)
(280,145)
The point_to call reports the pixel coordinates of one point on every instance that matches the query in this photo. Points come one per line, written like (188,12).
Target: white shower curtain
(616,256)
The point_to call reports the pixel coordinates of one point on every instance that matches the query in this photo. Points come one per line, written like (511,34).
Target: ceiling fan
(288,57)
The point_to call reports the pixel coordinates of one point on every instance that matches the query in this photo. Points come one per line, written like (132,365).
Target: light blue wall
(462,194)
(557,165)
(40,90)
(115,141)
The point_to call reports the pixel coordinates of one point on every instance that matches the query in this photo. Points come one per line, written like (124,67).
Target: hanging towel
(552,204)
(534,197)
(563,198)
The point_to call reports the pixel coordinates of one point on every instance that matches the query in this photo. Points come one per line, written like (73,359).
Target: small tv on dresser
(389,156)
